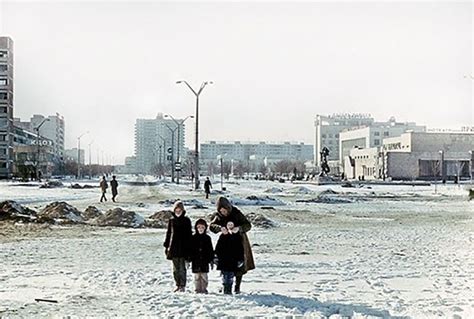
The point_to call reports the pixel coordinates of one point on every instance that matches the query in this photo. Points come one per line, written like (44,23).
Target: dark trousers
(114,194)
(207,193)
(103,197)
(179,271)
(228,278)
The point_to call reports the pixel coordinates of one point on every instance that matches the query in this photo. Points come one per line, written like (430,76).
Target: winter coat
(178,237)
(114,185)
(207,186)
(103,186)
(243,223)
(229,252)
(202,252)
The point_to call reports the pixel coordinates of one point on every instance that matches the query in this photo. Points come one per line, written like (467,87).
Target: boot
(227,290)
(238,281)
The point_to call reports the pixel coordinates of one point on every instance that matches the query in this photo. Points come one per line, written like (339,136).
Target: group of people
(104,185)
(232,254)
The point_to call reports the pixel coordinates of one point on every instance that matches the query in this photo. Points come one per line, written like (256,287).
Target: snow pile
(299,190)
(256,201)
(11,210)
(60,213)
(273,190)
(159,219)
(91,212)
(187,202)
(52,184)
(120,218)
(260,220)
(78,186)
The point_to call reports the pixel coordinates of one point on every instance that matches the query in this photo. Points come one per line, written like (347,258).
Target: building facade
(72,154)
(158,141)
(371,136)
(327,133)
(257,153)
(6,108)
(415,155)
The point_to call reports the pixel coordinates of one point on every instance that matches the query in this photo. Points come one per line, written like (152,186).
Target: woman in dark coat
(227,212)
(178,244)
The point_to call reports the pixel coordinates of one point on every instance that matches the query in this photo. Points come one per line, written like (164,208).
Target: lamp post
(179,124)
(172,150)
(79,154)
(90,159)
(196,152)
(38,148)
(471,167)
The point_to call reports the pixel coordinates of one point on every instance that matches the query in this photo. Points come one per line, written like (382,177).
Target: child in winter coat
(202,254)
(178,244)
(230,255)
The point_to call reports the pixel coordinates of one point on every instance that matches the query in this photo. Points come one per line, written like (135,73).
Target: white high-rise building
(158,141)
(6,107)
(52,129)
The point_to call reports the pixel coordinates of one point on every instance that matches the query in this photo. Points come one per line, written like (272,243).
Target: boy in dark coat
(178,244)
(202,255)
(230,255)
(114,186)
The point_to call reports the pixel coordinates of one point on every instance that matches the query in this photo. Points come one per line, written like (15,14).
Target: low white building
(415,155)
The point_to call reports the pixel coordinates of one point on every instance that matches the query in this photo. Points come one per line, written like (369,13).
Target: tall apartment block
(6,107)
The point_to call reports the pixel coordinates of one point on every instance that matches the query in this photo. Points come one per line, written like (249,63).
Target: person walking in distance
(103,188)
(114,186)
(207,187)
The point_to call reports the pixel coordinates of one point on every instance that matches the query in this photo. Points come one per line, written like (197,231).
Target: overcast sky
(275,65)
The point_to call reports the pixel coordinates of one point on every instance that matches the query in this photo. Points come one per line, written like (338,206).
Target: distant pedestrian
(207,187)
(114,186)
(178,244)
(202,254)
(103,187)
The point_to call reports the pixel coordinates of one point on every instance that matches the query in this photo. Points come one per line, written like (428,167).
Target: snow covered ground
(383,251)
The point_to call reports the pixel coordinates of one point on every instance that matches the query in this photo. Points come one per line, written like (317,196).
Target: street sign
(177,166)
(170,150)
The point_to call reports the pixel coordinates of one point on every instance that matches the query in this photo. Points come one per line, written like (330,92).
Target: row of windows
(3,68)
(3,82)
(3,54)
(386,133)
(329,136)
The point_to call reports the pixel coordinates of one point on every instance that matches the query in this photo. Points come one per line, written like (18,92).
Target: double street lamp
(79,154)
(178,124)
(196,154)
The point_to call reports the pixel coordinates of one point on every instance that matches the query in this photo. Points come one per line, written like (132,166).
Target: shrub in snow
(60,213)
(52,184)
(120,218)
(11,210)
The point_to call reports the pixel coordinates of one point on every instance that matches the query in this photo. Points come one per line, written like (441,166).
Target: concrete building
(32,152)
(157,142)
(71,155)
(415,155)
(52,129)
(372,136)
(327,132)
(257,153)
(6,107)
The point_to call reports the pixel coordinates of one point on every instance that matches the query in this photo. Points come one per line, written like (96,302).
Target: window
(3,54)
(376,142)
(376,133)
(3,151)
(336,136)
(323,135)
(3,82)
(3,138)
(3,95)
(386,133)
(3,68)
(3,109)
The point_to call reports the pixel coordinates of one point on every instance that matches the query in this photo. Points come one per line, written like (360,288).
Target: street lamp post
(79,154)
(179,124)
(471,165)
(172,150)
(90,159)
(38,148)
(196,152)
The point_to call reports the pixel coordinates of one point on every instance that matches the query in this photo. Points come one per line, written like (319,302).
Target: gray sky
(275,65)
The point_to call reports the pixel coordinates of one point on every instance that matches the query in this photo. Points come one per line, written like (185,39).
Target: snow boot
(227,290)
